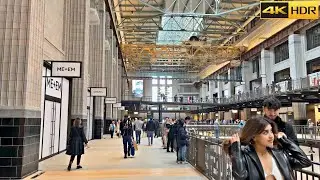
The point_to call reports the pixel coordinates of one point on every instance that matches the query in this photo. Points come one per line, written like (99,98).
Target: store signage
(254,109)
(53,87)
(98,91)
(66,69)
(111,100)
(117,105)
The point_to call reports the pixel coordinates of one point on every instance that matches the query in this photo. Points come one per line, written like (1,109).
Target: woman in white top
(264,153)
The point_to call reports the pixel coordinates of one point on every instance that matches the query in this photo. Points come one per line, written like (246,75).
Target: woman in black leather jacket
(264,153)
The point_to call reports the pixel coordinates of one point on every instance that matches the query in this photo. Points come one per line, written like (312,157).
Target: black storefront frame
(48,66)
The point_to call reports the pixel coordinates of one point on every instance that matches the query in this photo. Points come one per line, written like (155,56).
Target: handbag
(135,145)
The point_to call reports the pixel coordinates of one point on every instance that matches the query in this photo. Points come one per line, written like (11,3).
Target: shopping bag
(135,145)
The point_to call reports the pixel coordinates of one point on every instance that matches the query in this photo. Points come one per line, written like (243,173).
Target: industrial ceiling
(180,35)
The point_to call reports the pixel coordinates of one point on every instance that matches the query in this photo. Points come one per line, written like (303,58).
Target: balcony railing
(283,87)
(304,133)
(207,156)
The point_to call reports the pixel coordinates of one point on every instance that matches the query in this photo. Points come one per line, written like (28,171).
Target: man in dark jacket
(182,142)
(127,135)
(271,108)
(150,127)
(175,128)
(170,135)
(157,128)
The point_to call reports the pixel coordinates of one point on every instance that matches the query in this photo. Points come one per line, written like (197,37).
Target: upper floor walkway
(304,89)
(104,160)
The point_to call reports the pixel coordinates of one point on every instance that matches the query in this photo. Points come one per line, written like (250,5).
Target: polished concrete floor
(104,160)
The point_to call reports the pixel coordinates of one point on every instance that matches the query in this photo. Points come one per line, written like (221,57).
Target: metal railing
(283,87)
(303,131)
(207,156)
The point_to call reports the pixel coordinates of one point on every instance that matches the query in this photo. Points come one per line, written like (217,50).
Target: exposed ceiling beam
(240,2)
(139,12)
(156,30)
(139,5)
(139,22)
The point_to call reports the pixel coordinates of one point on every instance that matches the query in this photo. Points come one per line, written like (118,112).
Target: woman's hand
(234,138)
(280,135)
(87,146)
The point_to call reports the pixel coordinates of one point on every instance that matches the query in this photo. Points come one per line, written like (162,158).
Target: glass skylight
(175,30)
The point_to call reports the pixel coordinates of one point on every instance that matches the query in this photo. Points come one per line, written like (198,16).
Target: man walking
(127,133)
(138,124)
(150,127)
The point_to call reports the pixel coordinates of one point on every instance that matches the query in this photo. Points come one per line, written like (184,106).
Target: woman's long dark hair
(253,127)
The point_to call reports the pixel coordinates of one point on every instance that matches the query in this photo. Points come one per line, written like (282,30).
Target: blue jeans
(217,133)
(127,143)
(138,136)
(150,137)
(182,153)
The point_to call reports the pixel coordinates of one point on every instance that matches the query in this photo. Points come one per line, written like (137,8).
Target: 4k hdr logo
(289,9)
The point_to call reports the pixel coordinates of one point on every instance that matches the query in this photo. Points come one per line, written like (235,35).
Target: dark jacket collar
(276,155)
(254,156)
(278,121)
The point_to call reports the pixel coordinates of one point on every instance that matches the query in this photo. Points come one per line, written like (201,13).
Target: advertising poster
(137,88)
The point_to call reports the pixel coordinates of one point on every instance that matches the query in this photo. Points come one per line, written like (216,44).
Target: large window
(255,64)
(169,80)
(282,75)
(313,66)
(154,80)
(313,37)
(169,92)
(163,90)
(238,72)
(281,52)
(162,80)
(225,76)
(154,93)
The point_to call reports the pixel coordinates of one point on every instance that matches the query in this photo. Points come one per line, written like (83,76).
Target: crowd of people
(265,148)
(173,133)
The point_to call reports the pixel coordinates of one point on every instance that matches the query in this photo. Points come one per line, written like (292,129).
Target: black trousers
(78,159)
(111,132)
(170,143)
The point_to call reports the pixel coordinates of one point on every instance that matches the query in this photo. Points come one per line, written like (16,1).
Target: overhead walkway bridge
(289,91)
